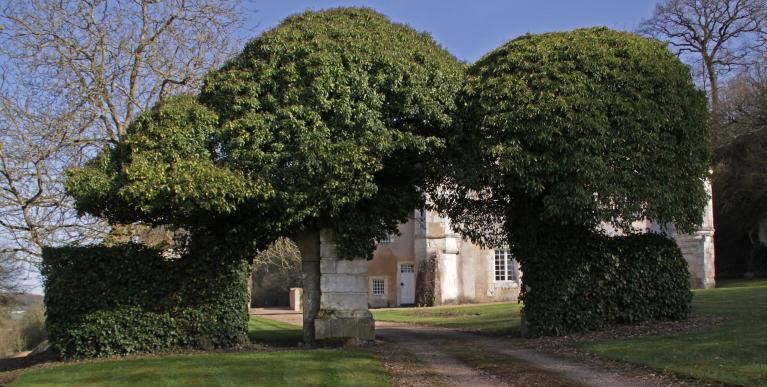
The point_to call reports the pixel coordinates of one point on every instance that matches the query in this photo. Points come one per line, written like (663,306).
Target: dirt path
(284,315)
(451,357)
(535,367)
(421,344)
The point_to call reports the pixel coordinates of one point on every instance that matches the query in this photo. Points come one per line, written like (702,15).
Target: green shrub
(580,280)
(123,299)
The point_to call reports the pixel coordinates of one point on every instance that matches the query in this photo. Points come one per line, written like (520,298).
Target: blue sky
(470,29)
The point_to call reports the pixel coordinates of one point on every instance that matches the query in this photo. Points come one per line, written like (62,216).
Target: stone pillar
(444,244)
(448,270)
(706,234)
(698,248)
(344,302)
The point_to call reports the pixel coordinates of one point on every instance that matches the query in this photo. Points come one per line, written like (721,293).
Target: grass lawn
(500,318)
(734,352)
(265,331)
(322,367)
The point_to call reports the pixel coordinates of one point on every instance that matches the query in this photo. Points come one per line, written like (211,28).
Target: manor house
(429,263)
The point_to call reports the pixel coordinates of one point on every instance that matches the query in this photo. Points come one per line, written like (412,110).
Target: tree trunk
(716,119)
(308,244)
(752,252)
(250,288)
(714,96)
(311,295)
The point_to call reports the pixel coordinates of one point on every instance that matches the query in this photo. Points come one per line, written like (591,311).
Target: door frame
(399,280)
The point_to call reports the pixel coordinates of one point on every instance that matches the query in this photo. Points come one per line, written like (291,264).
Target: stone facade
(464,272)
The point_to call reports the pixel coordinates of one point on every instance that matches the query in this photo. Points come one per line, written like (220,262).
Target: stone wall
(384,266)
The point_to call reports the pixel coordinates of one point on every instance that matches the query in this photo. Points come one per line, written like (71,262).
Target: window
(420,221)
(379,287)
(387,240)
(505,266)
(406,268)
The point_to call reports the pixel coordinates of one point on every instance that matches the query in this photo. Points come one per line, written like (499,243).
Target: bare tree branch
(73,74)
(722,34)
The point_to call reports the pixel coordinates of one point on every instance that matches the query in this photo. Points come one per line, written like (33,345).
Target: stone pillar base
(357,327)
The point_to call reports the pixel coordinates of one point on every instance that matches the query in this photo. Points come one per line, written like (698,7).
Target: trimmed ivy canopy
(328,120)
(163,171)
(578,128)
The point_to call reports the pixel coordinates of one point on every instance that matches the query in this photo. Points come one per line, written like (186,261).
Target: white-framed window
(379,287)
(407,268)
(505,266)
(387,240)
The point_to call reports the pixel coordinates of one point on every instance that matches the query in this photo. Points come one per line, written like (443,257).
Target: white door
(407,284)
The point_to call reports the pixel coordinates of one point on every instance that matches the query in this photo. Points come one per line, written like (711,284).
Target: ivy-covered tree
(328,120)
(561,132)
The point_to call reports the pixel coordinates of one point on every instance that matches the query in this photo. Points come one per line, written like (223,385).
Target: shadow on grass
(16,363)
(277,338)
(273,333)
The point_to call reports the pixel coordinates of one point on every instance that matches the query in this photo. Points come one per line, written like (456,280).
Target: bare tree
(276,268)
(718,35)
(743,102)
(282,255)
(38,139)
(10,276)
(74,75)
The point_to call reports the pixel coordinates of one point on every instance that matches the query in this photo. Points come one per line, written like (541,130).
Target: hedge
(103,301)
(580,280)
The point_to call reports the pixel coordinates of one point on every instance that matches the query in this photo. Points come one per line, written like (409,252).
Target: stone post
(296,301)
(344,301)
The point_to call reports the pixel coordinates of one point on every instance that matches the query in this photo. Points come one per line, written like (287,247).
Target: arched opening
(276,270)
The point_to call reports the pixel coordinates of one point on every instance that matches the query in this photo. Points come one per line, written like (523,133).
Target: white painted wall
(448,271)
